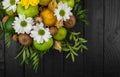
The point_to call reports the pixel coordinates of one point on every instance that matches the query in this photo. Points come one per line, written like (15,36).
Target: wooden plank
(29,72)
(112,38)
(2,62)
(12,66)
(93,59)
(49,66)
(2,69)
(53,64)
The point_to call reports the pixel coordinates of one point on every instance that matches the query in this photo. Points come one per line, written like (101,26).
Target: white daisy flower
(63,12)
(10,4)
(40,34)
(22,24)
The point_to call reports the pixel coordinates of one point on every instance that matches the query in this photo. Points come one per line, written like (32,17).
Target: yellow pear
(48,17)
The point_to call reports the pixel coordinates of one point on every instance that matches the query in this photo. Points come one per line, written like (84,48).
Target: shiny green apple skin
(61,34)
(69,2)
(44,46)
(30,12)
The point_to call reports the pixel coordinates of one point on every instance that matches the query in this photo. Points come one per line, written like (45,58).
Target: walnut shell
(15,37)
(53,30)
(25,39)
(38,19)
(70,23)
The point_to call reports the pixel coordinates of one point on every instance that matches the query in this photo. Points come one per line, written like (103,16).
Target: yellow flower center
(23,23)
(41,32)
(62,12)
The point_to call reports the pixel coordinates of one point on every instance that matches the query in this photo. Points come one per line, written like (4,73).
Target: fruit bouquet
(40,25)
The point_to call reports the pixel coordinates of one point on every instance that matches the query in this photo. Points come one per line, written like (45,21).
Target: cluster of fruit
(43,12)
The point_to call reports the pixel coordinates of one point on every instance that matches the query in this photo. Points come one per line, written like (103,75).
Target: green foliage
(80,12)
(2,11)
(78,44)
(29,56)
(76,1)
(35,60)
(1,29)
(8,39)
(5,34)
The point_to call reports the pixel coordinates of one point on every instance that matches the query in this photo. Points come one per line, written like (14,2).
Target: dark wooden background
(102,59)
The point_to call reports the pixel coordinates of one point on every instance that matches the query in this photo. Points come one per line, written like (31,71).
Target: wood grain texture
(29,72)
(93,59)
(12,66)
(102,59)
(53,64)
(2,69)
(112,38)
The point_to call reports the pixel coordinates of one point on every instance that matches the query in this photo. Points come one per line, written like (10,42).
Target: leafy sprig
(29,56)
(80,12)
(2,11)
(5,34)
(8,39)
(1,29)
(77,45)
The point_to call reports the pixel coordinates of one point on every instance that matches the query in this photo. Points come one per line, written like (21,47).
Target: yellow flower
(27,3)
(34,2)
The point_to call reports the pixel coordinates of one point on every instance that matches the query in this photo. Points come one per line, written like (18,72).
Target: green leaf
(18,55)
(30,49)
(35,61)
(77,44)
(82,40)
(27,53)
(76,33)
(33,55)
(8,39)
(71,36)
(1,26)
(2,11)
(73,58)
(76,54)
(84,47)
(74,38)
(65,49)
(68,55)
(24,57)
(1,35)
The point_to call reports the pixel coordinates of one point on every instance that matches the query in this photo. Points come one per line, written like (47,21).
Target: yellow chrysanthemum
(34,2)
(26,3)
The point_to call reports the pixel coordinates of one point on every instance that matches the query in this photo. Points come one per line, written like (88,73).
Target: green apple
(44,46)
(44,2)
(69,2)
(30,12)
(61,34)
